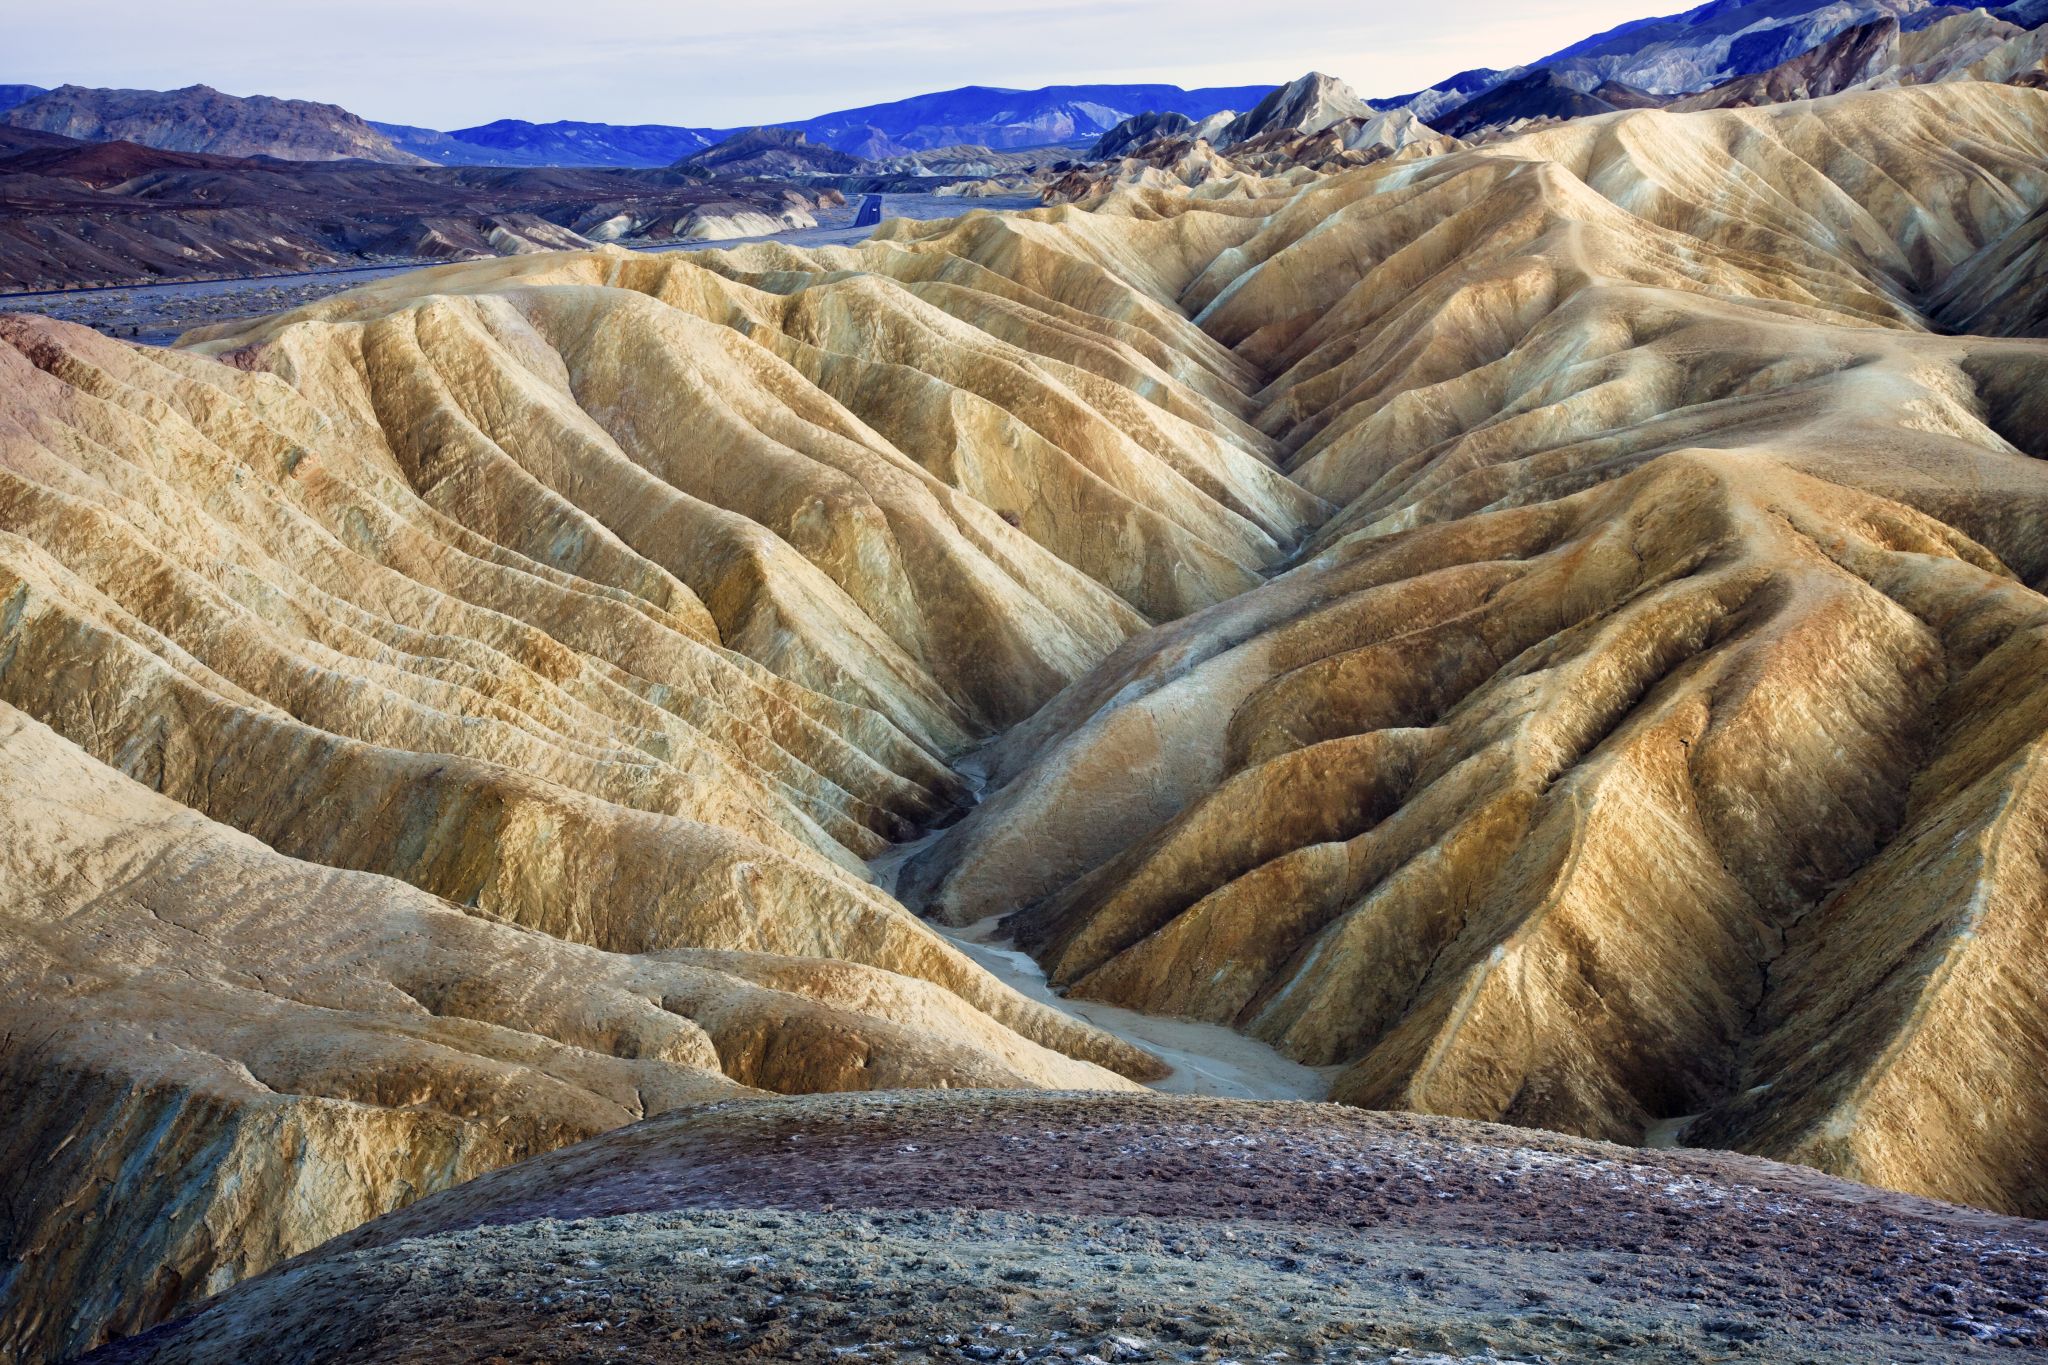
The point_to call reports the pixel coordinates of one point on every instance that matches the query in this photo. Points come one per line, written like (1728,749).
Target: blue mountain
(986,115)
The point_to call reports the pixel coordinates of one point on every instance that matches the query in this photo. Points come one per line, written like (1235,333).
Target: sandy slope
(578,594)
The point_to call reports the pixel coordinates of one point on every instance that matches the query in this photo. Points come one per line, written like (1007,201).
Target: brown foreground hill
(1552,631)
(1010,1227)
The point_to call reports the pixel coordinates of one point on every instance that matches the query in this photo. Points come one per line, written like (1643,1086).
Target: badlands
(1549,633)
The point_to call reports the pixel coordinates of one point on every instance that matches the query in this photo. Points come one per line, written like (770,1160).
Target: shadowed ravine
(1205,1058)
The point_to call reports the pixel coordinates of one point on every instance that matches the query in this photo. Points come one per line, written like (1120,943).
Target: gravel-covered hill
(1004,1227)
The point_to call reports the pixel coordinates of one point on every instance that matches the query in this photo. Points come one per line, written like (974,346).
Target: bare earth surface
(987,1226)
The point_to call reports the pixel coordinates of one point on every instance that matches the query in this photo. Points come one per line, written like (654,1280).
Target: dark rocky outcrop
(119,212)
(781,153)
(1849,58)
(1541,94)
(1136,131)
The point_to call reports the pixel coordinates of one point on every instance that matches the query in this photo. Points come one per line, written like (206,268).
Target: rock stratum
(1550,631)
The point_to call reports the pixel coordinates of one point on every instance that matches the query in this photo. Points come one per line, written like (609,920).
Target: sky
(456,63)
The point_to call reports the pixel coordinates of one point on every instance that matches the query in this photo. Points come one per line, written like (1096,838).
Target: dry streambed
(1207,1059)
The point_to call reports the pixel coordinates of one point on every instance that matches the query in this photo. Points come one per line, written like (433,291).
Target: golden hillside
(1655,730)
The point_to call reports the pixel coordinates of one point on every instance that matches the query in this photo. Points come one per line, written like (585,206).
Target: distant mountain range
(201,119)
(1646,60)
(974,115)
(1676,54)
(515,142)
(1319,122)
(1013,118)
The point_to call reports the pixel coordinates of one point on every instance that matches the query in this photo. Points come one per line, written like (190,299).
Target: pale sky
(455,63)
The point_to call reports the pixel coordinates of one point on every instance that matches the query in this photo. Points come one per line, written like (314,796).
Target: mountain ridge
(1671,55)
(993,116)
(198,118)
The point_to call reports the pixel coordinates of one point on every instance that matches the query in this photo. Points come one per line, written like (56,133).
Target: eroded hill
(618,602)
(1652,738)
(1552,630)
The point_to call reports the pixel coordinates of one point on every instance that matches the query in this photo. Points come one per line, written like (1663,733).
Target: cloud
(461,62)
